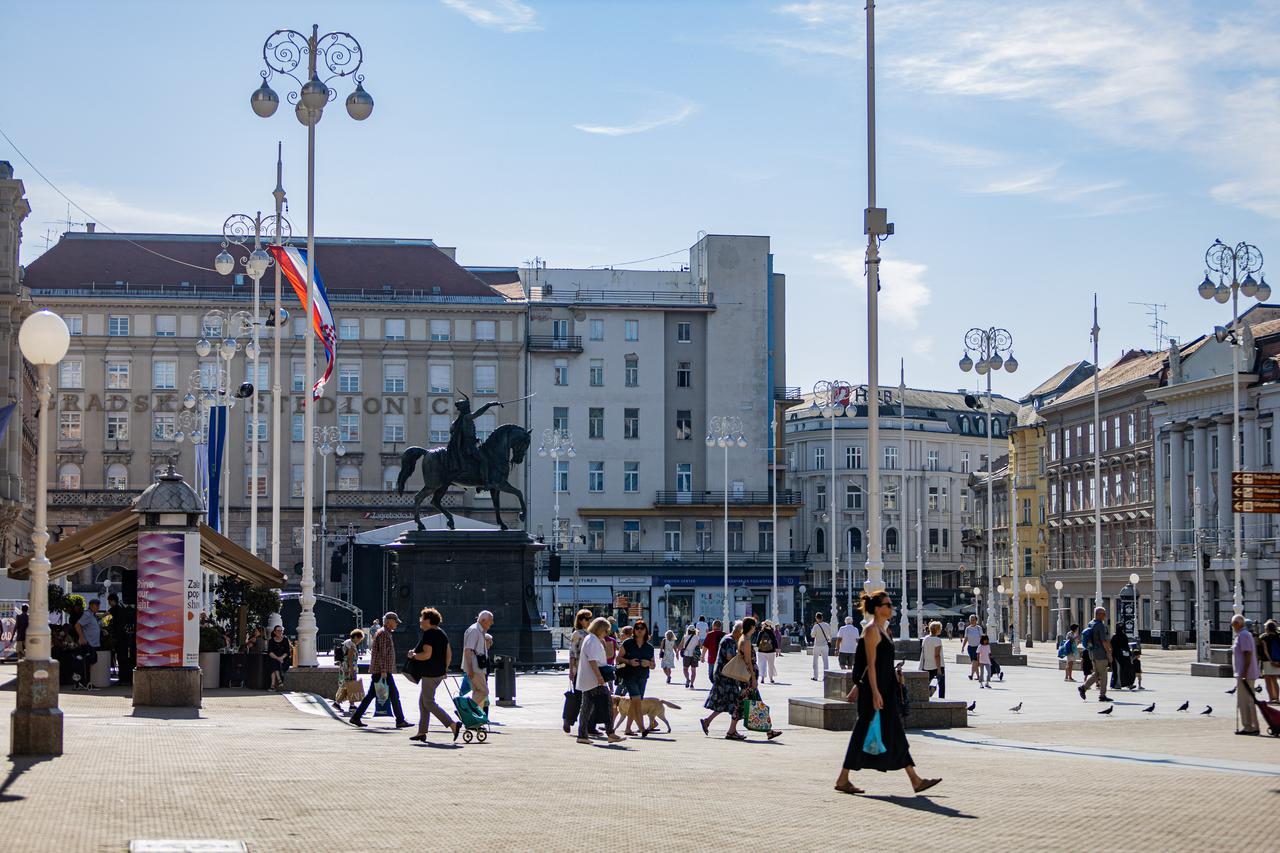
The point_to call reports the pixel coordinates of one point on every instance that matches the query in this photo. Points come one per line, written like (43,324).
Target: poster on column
(168,632)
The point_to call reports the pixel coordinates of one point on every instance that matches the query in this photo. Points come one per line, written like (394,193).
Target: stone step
(1006,659)
(837,683)
(1211,670)
(836,715)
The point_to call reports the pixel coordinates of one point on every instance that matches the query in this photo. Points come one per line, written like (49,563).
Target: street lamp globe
(1011,364)
(44,338)
(257,265)
(1206,288)
(982,367)
(305,116)
(742,440)
(1000,588)
(264,100)
(542,453)
(341,449)
(1249,286)
(966,363)
(1133,578)
(314,94)
(1029,588)
(1057,585)
(711,440)
(977,590)
(228,348)
(1264,289)
(359,103)
(224,263)
(189,401)
(251,349)
(1222,294)
(203,347)
(995,362)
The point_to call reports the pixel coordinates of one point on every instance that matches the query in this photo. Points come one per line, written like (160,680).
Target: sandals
(849,789)
(925,784)
(773,734)
(735,736)
(706,727)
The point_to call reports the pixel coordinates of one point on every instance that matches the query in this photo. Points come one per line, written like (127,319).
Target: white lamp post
(1057,585)
(802,589)
(557,443)
(1029,588)
(341,55)
(327,440)
(999,596)
(1133,583)
(830,400)
(977,595)
(36,724)
(726,431)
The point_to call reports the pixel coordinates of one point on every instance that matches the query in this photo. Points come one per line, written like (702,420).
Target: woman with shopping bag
(735,685)
(878,741)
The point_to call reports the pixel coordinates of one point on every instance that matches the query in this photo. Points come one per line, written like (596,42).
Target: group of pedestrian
(735,680)
(1253,657)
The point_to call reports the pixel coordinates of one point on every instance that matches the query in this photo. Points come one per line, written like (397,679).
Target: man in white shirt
(847,643)
(820,633)
(972,634)
(475,657)
(702,628)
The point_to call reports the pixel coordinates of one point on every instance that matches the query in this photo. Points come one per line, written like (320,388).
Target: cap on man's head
(390,614)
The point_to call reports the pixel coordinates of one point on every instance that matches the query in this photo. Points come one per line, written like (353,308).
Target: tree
(234,598)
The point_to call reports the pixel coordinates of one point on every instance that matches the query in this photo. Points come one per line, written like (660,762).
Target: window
(393,330)
(595,534)
(631,329)
(348,478)
(117,477)
(441,330)
(631,536)
(561,368)
(485,425)
(71,373)
(560,331)
(933,540)
(560,417)
(595,476)
(819,541)
(263,380)
(1090,438)
(297,328)
(295,477)
(262,493)
(684,424)
(1133,427)
(297,376)
(890,499)
(964,501)
(853,496)
(349,378)
(486,330)
(1266,447)
(596,330)
(853,540)
(75,325)
(440,378)
(349,428)
(891,540)
(211,326)
(684,477)
(671,536)
(933,499)
(684,374)
(117,427)
(349,329)
(166,326)
(1053,447)
(819,458)
(964,462)
(735,535)
(393,377)
(942,498)
(890,458)
(438,429)
(70,426)
(684,333)
(764,536)
(562,475)
(702,535)
(631,371)
(1026,511)
(1042,512)
(595,423)
(1115,442)
(117,374)
(162,427)
(296,426)
(853,457)
(820,501)
(630,423)
(485,378)
(392,429)
(118,326)
(597,372)
(631,477)
(69,476)
(932,460)
(964,425)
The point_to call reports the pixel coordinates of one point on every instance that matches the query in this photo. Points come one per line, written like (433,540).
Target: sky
(1031,154)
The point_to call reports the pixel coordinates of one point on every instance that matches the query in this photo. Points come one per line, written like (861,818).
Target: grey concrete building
(17,444)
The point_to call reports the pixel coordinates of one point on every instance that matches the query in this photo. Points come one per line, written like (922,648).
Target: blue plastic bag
(465,686)
(873,745)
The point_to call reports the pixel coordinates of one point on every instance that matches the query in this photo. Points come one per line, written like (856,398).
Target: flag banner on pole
(293,263)
(217,444)
(6,414)
(202,472)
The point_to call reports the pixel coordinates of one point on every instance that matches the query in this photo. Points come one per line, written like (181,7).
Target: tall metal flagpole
(773,487)
(1097,466)
(277,403)
(902,539)
(875,225)
(307,618)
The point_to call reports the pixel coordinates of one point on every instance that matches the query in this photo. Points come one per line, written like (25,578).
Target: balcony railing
(626,297)
(786,497)
(787,392)
(554,343)
(92,497)
(700,558)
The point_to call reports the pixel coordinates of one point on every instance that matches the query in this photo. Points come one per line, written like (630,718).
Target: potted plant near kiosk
(211,643)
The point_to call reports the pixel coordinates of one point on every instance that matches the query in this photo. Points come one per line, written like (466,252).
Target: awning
(113,534)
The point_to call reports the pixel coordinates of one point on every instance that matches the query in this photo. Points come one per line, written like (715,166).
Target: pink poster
(161,599)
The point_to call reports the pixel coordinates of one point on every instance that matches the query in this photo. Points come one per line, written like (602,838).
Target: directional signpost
(1251,492)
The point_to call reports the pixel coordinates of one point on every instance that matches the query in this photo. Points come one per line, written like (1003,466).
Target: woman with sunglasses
(875,688)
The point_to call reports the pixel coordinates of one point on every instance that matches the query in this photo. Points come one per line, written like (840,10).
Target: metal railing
(708,558)
(239,294)
(571,343)
(551,293)
(786,497)
(92,497)
(786,392)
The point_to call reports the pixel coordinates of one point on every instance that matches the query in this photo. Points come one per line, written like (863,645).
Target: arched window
(117,477)
(891,540)
(69,476)
(982,425)
(348,478)
(819,541)
(854,540)
(389,476)
(964,425)
(996,427)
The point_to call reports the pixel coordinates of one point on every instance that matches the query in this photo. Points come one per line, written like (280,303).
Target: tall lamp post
(1029,588)
(1242,259)
(802,589)
(726,431)
(556,443)
(36,722)
(989,345)
(338,54)
(236,231)
(326,440)
(231,327)
(831,400)
(1057,585)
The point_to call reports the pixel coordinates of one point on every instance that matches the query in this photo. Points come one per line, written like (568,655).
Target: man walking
(971,637)
(123,628)
(1099,648)
(20,632)
(702,628)
(820,633)
(711,648)
(382,666)
(847,643)
(475,657)
(88,638)
(1244,660)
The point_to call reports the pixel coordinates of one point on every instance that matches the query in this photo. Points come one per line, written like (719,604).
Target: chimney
(91,227)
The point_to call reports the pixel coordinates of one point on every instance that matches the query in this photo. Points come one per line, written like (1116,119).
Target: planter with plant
(211,644)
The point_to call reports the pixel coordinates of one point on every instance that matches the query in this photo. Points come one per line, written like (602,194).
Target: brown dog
(654,709)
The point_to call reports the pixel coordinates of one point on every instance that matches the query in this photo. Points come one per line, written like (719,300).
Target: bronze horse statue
(505,446)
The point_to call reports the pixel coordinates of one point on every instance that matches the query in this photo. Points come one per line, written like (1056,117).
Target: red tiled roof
(1133,365)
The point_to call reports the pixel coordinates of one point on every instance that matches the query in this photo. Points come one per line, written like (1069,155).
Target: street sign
(1250,478)
(1246,493)
(1267,506)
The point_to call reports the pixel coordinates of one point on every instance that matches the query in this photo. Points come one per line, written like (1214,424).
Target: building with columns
(17,441)
(1192,419)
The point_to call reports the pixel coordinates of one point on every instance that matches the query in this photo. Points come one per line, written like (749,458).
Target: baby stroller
(1270,715)
(995,668)
(475,722)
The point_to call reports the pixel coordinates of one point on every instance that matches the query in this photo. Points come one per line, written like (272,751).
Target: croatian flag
(293,263)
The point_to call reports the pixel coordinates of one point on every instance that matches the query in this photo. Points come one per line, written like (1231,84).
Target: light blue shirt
(92,630)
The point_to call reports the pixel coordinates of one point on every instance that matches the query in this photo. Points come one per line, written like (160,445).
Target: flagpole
(307,618)
(277,403)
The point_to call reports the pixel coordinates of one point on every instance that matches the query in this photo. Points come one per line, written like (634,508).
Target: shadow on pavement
(166,713)
(920,804)
(21,764)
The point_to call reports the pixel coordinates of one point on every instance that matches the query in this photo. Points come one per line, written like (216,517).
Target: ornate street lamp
(831,400)
(327,439)
(726,431)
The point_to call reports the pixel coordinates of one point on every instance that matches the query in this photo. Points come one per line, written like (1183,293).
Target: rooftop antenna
(1157,325)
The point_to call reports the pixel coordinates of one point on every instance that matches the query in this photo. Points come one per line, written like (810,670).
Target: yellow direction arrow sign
(1240,493)
(1268,506)
(1250,478)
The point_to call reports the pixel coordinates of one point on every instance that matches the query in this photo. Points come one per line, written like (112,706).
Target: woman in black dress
(279,655)
(875,688)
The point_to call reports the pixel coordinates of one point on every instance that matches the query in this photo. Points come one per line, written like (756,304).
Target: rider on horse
(464,449)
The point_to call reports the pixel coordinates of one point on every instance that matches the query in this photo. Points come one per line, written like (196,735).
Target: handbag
(380,690)
(410,669)
(872,744)
(608,672)
(736,669)
(755,713)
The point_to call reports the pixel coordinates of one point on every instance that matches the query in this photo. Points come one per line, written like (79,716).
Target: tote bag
(872,744)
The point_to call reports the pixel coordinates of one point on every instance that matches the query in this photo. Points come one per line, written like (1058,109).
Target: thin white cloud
(510,16)
(682,112)
(1026,183)
(903,292)
(110,212)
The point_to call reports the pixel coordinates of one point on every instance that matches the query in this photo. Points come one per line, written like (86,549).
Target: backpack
(766,642)
(1086,638)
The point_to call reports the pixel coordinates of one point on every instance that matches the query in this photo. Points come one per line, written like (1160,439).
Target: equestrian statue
(467,462)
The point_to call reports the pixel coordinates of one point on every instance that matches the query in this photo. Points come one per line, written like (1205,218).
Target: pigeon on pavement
(1231,691)
(1208,709)
(1016,708)
(973,704)
(1149,708)
(1108,709)
(1184,705)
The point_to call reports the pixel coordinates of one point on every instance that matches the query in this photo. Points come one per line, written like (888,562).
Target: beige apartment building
(17,444)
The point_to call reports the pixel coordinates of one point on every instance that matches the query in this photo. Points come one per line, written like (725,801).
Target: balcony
(620,297)
(787,393)
(93,497)
(786,497)
(553,343)
(707,559)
